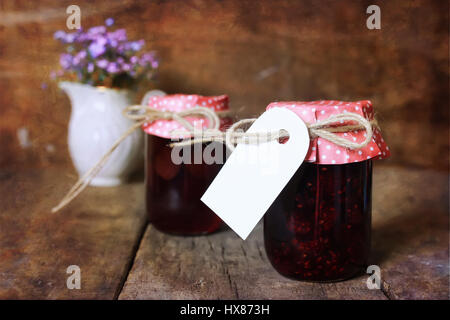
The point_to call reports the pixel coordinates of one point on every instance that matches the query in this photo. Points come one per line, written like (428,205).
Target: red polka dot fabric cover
(177,103)
(322,151)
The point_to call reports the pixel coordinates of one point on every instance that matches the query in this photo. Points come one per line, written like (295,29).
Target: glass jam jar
(319,227)
(173,191)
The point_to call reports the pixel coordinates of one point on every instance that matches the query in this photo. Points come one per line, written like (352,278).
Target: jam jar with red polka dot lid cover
(173,188)
(319,227)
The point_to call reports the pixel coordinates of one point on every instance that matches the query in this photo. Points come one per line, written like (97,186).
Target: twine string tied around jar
(141,114)
(325,129)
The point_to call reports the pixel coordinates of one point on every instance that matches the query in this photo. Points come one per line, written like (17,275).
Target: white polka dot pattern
(324,152)
(177,103)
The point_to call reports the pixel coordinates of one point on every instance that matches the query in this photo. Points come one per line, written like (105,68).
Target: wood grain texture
(410,231)
(101,230)
(98,232)
(255,51)
(221,266)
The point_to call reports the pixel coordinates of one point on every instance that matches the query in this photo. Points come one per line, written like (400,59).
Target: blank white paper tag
(255,174)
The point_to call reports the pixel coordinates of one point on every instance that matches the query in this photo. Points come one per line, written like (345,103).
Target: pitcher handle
(151,93)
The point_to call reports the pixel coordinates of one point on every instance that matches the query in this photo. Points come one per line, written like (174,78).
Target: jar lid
(322,151)
(179,102)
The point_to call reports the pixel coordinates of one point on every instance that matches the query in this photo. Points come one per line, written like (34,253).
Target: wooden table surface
(105,233)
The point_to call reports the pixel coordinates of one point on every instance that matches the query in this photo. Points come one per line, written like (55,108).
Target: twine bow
(143,114)
(140,114)
(325,129)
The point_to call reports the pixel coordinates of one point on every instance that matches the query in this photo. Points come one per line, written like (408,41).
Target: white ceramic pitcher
(96,122)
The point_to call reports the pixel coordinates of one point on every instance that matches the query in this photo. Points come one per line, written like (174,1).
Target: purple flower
(65,37)
(79,56)
(59,35)
(146,57)
(103,63)
(134,59)
(70,37)
(97,48)
(113,43)
(118,35)
(83,37)
(109,22)
(112,68)
(126,67)
(137,45)
(97,56)
(120,50)
(82,54)
(97,30)
(149,58)
(65,60)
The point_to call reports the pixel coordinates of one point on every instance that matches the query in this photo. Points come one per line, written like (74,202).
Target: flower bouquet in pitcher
(102,69)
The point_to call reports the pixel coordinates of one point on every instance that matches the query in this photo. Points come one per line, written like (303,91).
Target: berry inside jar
(177,177)
(174,191)
(318,229)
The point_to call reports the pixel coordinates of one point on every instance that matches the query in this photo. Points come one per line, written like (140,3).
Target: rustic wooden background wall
(255,51)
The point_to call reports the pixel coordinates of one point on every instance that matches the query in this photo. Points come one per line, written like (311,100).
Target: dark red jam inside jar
(318,229)
(173,191)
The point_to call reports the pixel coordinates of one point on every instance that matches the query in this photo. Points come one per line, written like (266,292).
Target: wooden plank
(221,266)
(98,232)
(410,245)
(411,232)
